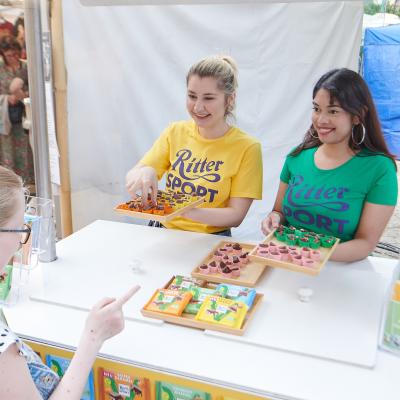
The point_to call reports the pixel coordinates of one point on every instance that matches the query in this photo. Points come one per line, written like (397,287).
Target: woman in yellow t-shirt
(205,156)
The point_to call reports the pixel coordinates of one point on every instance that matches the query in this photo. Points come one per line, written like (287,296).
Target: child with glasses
(22,373)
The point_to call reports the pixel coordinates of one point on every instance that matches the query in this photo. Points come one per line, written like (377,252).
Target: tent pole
(39,121)
(60,97)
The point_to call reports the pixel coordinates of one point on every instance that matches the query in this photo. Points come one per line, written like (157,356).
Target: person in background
(19,34)
(6,28)
(15,150)
(22,373)
(206,156)
(341,180)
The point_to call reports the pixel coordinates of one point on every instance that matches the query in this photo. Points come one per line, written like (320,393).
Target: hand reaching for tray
(143,180)
(271,222)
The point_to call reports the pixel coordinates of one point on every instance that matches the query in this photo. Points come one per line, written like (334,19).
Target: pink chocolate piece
(307,262)
(227,259)
(221,266)
(204,269)
(263,253)
(229,247)
(235,272)
(275,255)
(213,267)
(236,262)
(244,259)
(297,260)
(315,255)
(237,249)
(285,256)
(305,251)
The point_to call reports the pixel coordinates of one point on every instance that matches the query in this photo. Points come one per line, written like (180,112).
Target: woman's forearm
(353,250)
(73,382)
(223,217)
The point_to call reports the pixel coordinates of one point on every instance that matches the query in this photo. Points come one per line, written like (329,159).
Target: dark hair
(19,21)
(8,43)
(350,90)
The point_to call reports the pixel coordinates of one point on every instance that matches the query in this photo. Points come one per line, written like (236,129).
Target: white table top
(256,369)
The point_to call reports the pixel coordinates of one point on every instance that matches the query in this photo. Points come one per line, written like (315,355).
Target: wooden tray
(190,321)
(325,254)
(160,218)
(249,275)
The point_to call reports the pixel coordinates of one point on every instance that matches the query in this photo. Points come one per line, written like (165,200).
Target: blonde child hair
(10,185)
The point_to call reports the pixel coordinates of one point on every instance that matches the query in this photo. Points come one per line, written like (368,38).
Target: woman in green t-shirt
(341,180)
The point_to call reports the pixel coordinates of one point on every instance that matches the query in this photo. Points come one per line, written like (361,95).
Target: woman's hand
(271,222)
(106,318)
(16,86)
(12,99)
(142,179)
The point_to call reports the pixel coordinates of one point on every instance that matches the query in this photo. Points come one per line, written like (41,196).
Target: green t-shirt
(331,201)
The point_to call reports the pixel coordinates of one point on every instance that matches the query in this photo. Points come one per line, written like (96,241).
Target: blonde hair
(10,185)
(224,70)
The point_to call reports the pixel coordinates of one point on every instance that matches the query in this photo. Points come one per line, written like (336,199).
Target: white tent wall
(126,82)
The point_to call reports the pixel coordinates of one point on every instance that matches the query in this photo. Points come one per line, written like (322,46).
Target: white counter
(97,261)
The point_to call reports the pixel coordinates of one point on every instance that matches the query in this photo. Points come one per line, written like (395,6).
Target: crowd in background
(15,149)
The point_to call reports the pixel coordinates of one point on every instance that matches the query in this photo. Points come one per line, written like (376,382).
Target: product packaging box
(60,365)
(122,386)
(168,391)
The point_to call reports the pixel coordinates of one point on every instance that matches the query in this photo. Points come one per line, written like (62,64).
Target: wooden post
(60,102)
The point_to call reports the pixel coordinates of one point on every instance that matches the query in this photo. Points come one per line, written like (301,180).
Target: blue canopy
(381,65)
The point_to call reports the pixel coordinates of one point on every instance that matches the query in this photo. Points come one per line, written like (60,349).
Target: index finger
(124,298)
(134,187)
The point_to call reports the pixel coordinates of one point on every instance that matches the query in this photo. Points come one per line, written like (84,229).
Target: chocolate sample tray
(297,257)
(249,273)
(169,206)
(190,321)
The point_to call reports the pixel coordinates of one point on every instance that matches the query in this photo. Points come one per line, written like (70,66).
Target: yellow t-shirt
(230,166)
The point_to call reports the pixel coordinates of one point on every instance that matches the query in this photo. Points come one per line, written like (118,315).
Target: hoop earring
(363,135)
(313,132)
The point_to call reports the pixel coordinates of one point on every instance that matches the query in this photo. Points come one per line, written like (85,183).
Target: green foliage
(373,8)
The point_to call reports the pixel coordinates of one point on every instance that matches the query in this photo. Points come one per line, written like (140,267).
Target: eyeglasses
(25,233)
